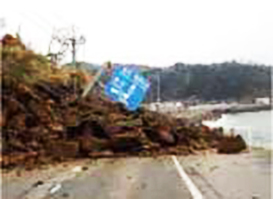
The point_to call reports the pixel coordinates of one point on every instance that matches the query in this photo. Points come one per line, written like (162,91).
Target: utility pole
(75,42)
(271,93)
(65,37)
(158,87)
(158,92)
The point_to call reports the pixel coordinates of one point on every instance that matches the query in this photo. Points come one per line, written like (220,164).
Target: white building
(262,100)
(165,107)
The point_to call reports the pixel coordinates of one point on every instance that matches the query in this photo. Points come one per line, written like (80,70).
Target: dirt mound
(45,121)
(231,144)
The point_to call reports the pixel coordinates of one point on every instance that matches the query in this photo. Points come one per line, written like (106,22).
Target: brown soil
(45,122)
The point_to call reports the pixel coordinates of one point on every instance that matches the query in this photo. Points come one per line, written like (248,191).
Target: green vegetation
(21,64)
(225,81)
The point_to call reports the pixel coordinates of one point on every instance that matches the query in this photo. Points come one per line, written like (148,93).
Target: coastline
(255,127)
(212,116)
(213,112)
(231,108)
(247,108)
(200,112)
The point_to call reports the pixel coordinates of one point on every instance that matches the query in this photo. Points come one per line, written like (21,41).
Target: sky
(148,32)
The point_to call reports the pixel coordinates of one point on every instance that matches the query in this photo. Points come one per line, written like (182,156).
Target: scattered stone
(231,144)
(38,183)
(84,168)
(65,195)
(143,185)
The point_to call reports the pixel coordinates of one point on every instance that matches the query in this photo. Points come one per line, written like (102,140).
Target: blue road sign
(127,86)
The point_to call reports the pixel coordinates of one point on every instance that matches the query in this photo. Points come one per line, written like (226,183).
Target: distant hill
(224,81)
(230,81)
(85,66)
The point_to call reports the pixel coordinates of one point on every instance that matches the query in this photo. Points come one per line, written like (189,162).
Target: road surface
(213,176)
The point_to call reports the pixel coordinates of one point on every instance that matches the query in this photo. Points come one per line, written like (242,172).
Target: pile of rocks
(45,121)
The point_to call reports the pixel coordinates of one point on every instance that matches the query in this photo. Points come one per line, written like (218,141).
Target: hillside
(225,81)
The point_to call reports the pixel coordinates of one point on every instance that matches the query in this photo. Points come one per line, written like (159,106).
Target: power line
(2,23)
(83,51)
(60,18)
(44,20)
(36,23)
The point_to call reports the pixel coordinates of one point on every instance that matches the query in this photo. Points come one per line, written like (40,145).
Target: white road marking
(196,194)
(77,169)
(51,186)
(55,188)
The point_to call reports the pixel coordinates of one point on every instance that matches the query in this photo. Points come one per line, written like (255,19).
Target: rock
(38,183)
(114,129)
(99,154)
(179,150)
(84,168)
(93,128)
(231,144)
(19,159)
(63,149)
(89,144)
(126,144)
(165,135)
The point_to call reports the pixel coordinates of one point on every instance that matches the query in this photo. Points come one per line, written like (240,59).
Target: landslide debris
(43,120)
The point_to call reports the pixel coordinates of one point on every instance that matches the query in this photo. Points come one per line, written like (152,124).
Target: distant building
(165,107)
(246,100)
(262,100)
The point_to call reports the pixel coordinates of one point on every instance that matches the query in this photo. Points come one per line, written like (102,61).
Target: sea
(254,127)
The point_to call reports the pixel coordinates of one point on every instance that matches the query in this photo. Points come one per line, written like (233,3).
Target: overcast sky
(156,33)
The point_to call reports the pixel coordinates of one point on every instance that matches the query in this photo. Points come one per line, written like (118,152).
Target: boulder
(231,144)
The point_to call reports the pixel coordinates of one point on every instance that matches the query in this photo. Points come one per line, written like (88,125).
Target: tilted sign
(127,86)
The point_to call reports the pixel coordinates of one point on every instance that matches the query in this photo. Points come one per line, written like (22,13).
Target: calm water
(255,127)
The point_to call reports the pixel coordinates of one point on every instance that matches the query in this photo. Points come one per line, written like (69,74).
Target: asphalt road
(214,176)
(128,178)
